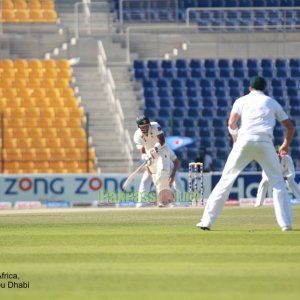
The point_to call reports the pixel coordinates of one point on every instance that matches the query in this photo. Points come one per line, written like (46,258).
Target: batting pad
(161,181)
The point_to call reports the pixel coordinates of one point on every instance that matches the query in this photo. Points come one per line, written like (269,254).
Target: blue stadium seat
(183,73)
(219,122)
(295,72)
(222,112)
(205,132)
(154,73)
(233,83)
(224,73)
(295,112)
(231,3)
(140,74)
(294,62)
(195,63)
(206,83)
(286,3)
(280,63)
(205,142)
(220,133)
(272,3)
(222,153)
(168,74)
(220,92)
(266,63)
(220,143)
(276,83)
(277,92)
(149,83)
(193,113)
(292,91)
(180,102)
(153,64)
(181,63)
(211,73)
(178,83)
(223,102)
(206,93)
(239,73)
(252,63)
(150,112)
(210,63)
(150,93)
(192,83)
(162,83)
(220,83)
(166,102)
(196,73)
(202,123)
(238,63)
(151,103)
(291,82)
(224,63)
(192,92)
(281,73)
(167,64)
(218,3)
(178,92)
(193,103)
(139,64)
(267,73)
(164,92)
(207,112)
(189,123)
(294,101)
(234,92)
(258,3)
(245,3)
(179,112)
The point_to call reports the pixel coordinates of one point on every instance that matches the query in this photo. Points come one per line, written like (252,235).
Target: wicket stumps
(196,183)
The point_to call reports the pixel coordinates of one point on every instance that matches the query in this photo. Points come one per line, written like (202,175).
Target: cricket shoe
(286,228)
(199,225)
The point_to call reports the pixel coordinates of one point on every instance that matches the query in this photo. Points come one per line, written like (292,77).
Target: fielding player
(150,141)
(288,173)
(174,178)
(257,114)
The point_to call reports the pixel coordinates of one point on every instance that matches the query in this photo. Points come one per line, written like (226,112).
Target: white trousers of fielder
(242,153)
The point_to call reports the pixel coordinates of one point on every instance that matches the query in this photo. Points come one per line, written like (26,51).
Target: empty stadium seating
(30,11)
(204,102)
(42,119)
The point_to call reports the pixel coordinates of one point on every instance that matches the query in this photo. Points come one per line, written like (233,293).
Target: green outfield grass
(150,254)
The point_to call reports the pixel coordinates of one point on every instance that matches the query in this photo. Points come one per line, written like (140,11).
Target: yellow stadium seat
(48,83)
(22,15)
(67,92)
(67,143)
(20,133)
(24,92)
(41,165)
(50,73)
(78,133)
(39,143)
(62,83)
(34,4)
(22,73)
(49,64)
(73,153)
(47,113)
(12,166)
(35,64)
(53,93)
(28,154)
(13,122)
(49,133)
(81,143)
(12,154)
(38,93)
(8,73)
(42,102)
(56,165)
(59,123)
(20,63)
(7,4)
(71,102)
(24,143)
(2,103)
(19,83)
(64,133)
(36,15)
(6,83)
(44,122)
(32,112)
(73,123)
(57,102)
(6,63)
(61,112)
(92,153)
(10,144)
(30,123)
(9,93)
(63,64)
(58,154)
(20,4)
(43,154)
(33,83)
(35,133)
(8,16)
(36,73)
(49,15)
(26,166)
(28,102)
(76,112)
(53,143)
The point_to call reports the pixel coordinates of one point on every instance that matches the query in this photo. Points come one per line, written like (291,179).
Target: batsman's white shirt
(258,114)
(160,166)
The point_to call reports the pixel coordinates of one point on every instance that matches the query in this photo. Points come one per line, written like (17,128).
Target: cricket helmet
(142,120)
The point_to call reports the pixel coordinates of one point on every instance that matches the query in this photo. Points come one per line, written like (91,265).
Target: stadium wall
(56,190)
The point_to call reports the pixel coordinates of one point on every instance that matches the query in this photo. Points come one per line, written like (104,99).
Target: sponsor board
(27,204)
(57,204)
(5,205)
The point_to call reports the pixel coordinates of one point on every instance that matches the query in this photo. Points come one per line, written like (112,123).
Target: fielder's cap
(142,120)
(258,83)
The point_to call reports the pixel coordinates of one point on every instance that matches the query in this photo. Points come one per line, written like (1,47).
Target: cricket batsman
(150,141)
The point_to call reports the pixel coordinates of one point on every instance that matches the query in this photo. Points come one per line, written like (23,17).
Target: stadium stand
(42,121)
(212,95)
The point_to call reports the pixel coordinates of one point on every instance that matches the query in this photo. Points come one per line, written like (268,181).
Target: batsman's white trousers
(264,186)
(242,153)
